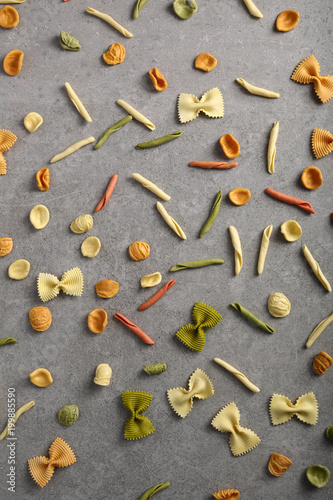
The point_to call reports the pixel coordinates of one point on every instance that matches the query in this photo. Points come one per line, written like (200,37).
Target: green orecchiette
(204,318)
(159,140)
(69,42)
(213,214)
(318,475)
(68,415)
(183,9)
(251,317)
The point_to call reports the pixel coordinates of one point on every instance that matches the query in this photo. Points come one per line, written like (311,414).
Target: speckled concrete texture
(189,453)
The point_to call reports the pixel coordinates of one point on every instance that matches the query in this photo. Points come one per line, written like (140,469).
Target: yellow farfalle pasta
(151,187)
(18,413)
(211,104)
(272,147)
(77,103)
(136,114)
(237,374)
(238,249)
(281,409)
(316,268)
(264,247)
(170,221)
(49,286)
(257,90)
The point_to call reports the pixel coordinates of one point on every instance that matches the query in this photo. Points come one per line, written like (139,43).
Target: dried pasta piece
(43,179)
(211,104)
(195,264)
(137,426)
(40,318)
(213,214)
(135,329)
(230,146)
(291,230)
(9,17)
(77,103)
(136,114)
(154,489)
(11,1)
(138,6)
(287,20)
(329,432)
(237,374)
(170,221)
(257,90)
(69,42)
(239,196)
(68,415)
(107,195)
(319,330)
(107,289)
(82,224)
(278,464)
(312,178)
(97,320)
(103,375)
(282,410)
(111,21)
(205,62)
(139,250)
(322,362)
(254,11)
(41,377)
(8,340)
(315,268)
(264,247)
(241,439)
(322,142)
(90,247)
(150,280)
(204,318)
(155,369)
(157,296)
(308,71)
(111,130)
(151,187)
(214,164)
(6,246)
(7,139)
(19,269)
(12,63)
(272,147)
(199,386)
(32,121)
(159,140)
(71,149)
(251,317)
(49,286)
(235,240)
(158,79)
(8,429)
(39,216)
(278,305)
(42,468)
(183,9)
(115,54)
(226,495)
(305,205)
(318,475)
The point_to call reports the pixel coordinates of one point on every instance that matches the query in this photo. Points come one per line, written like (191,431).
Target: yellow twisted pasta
(316,268)
(151,187)
(254,11)
(272,147)
(77,103)
(238,249)
(170,221)
(18,413)
(237,374)
(257,90)
(264,247)
(111,21)
(71,149)
(136,114)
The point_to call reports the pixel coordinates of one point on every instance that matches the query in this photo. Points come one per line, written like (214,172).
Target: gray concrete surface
(189,453)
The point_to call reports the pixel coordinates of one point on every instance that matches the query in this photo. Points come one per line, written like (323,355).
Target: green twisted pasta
(213,214)
(138,7)
(159,140)
(112,129)
(8,340)
(251,317)
(196,264)
(153,490)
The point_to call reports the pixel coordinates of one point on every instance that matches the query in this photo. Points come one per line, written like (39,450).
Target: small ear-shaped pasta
(103,374)
(272,147)
(32,122)
(150,280)
(77,103)
(264,247)
(41,377)
(238,249)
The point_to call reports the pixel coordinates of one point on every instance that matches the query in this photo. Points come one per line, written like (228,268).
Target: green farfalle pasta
(69,42)
(251,317)
(196,264)
(137,426)
(213,214)
(112,129)
(153,490)
(318,475)
(138,7)
(159,140)
(8,340)
(204,318)
(183,9)
(156,368)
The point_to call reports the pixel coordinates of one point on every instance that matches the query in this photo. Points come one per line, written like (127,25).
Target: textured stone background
(189,453)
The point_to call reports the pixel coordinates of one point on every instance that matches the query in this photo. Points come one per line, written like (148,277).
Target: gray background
(188,452)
